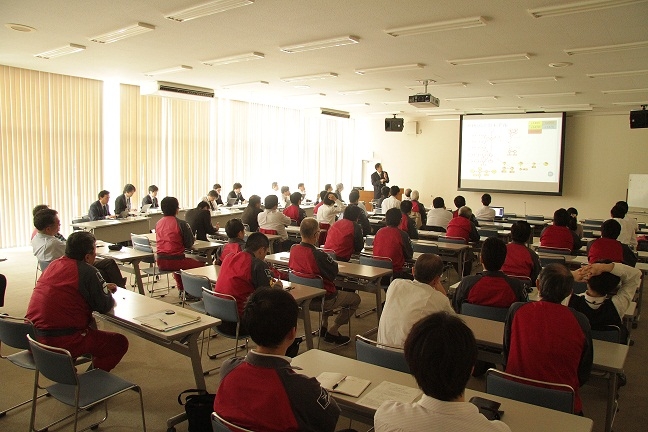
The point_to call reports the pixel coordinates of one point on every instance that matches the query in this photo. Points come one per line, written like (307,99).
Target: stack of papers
(165,321)
(389,391)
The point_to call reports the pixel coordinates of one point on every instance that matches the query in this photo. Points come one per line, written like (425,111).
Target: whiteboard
(638,191)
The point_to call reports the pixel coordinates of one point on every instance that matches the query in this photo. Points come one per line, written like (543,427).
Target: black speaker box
(394,124)
(638,119)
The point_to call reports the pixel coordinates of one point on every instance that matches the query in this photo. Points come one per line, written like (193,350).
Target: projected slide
(512,153)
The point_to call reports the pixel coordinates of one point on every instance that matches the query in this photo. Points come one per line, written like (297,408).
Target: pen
(338,383)
(165,323)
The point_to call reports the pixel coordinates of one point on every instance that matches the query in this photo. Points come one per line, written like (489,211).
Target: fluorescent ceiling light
(355,92)
(618,74)
(544,95)
(354,105)
(205,9)
(437,26)
(335,113)
(246,84)
(638,104)
(491,59)
(404,67)
(582,6)
(168,70)
(310,77)
(327,43)
(452,84)
(234,59)
(123,33)
(577,107)
(607,48)
(308,95)
(523,80)
(460,99)
(637,90)
(58,52)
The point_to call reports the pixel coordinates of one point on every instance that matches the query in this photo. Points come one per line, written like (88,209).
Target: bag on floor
(199,404)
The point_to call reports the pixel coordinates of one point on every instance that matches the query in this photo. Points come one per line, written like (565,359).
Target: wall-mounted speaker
(639,119)
(394,124)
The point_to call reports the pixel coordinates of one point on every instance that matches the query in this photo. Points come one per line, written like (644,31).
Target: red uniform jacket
(306,258)
(240,275)
(344,237)
(393,243)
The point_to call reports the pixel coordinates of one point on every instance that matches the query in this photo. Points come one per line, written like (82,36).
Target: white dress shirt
(628,234)
(47,248)
(274,220)
(485,213)
(432,415)
(439,217)
(389,203)
(326,214)
(407,302)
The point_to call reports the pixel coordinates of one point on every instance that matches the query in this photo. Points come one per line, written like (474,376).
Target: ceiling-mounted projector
(424,100)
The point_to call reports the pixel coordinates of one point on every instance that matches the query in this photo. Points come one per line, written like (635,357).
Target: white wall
(601,151)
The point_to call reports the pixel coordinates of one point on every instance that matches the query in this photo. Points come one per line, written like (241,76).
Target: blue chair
(143,244)
(219,424)
(555,396)
(369,240)
(611,333)
(223,306)
(546,260)
(193,286)
(425,248)
(486,312)
(368,351)
(485,232)
(80,391)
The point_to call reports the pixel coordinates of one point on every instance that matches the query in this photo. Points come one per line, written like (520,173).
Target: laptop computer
(145,208)
(499,212)
(231,201)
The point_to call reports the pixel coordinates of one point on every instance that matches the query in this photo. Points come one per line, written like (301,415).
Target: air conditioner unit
(335,113)
(175,90)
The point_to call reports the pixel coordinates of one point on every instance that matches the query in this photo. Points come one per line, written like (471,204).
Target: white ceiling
(266,25)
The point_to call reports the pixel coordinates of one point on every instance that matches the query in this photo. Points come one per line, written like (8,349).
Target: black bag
(293,349)
(199,404)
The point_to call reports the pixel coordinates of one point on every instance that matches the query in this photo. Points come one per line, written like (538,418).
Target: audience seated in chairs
(559,235)
(345,236)
(608,247)
(251,213)
(520,259)
(235,231)
(199,219)
(272,221)
(407,224)
(438,216)
(394,243)
(293,211)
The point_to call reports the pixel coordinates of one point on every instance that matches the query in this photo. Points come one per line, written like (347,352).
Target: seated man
(363,219)
(462,226)
(559,235)
(330,208)
(609,248)
(199,219)
(409,301)
(219,199)
(64,298)
(485,213)
(418,210)
(151,197)
(276,397)
(628,235)
(394,243)
(307,259)
(284,199)
(459,202)
(492,287)
(243,273)
(546,341)
(302,189)
(407,224)
(439,216)
(35,210)
(520,259)
(272,219)
(250,215)
(384,194)
(47,247)
(99,209)
(345,236)
(236,193)
(211,199)
(123,201)
(236,234)
(440,351)
(172,237)
(598,304)
(319,202)
(392,201)
(293,211)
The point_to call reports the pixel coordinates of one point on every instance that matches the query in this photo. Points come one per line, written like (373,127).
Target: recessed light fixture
(168,70)
(523,80)
(558,108)
(559,65)
(123,33)
(308,95)
(637,90)
(460,99)
(315,45)
(462,23)
(544,95)
(606,48)
(206,9)
(618,74)
(582,6)
(637,104)
(452,84)
(362,91)
(310,77)
(20,27)
(412,66)
(234,59)
(246,84)
(58,52)
(491,59)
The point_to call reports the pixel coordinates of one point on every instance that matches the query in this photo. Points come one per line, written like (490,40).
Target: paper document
(165,321)
(344,384)
(389,391)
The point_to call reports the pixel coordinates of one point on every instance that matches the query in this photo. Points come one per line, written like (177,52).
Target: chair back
(369,240)
(435,228)
(610,333)
(425,248)
(268,231)
(141,243)
(486,312)
(14,331)
(485,232)
(559,397)
(525,279)
(311,280)
(546,260)
(593,222)
(219,305)
(450,239)
(553,250)
(193,285)
(588,233)
(368,351)
(53,363)
(376,261)
(80,220)
(330,252)
(219,424)
(324,227)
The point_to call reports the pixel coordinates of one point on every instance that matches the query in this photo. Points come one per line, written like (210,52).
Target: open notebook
(341,383)
(389,391)
(165,321)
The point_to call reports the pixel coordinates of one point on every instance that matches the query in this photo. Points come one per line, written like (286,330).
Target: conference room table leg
(611,401)
(138,276)
(308,330)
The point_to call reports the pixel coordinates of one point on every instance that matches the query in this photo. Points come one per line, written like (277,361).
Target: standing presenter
(379,179)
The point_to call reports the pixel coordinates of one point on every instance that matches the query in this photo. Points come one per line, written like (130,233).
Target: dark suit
(238,196)
(121,204)
(200,222)
(377,184)
(97,212)
(149,200)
